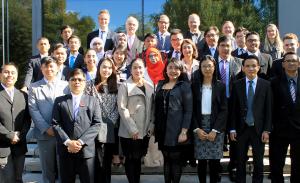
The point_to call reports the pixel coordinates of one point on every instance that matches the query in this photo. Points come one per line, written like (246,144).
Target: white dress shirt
(9,92)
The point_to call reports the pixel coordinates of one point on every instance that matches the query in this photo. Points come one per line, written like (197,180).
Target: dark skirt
(134,149)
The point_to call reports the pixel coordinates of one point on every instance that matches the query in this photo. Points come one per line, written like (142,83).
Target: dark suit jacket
(265,61)
(79,62)
(14,116)
(286,115)
(218,107)
(277,69)
(262,106)
(206,51)
(33,71)
(200,42)
(65,73)
(167,45)
(85,127)
(109,43)
(235,53)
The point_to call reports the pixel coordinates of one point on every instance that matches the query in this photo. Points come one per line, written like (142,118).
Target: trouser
(213,170)
(12,171)
(172,166)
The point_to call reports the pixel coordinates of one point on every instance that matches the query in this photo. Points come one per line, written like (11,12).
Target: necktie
(223,72)
(249,117)
(101,36)
(72,61)
(162,42)
(75,108)
(293,90)
(11,95)
(177,55)
(212,51)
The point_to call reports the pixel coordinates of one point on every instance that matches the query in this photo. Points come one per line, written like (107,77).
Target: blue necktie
(249,117)
(223,72)
(72,61)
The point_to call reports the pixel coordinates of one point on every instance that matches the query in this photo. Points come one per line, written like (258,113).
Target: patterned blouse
(108,101)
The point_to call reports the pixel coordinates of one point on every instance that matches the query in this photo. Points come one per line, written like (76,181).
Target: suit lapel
(257,90)
(5,95)
(82,105)
(243,90)
(70,105)
(45,90)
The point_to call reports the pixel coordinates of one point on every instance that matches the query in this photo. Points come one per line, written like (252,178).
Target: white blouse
(206,99)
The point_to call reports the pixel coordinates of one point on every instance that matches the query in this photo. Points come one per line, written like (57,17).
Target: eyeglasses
(291,61)
(77,79)
(207,66)
(96,43)
(252,40)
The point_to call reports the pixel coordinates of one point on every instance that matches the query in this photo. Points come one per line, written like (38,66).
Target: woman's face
(105,69)
(98,46)
(137,70)
(90,58)
(118,57)
(173,72)
(187,50)
(207,68)
(271,32)
(153,57)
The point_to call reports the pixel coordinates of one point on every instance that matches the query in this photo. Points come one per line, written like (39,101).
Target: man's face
(225,49)
(103,20)
(251,68)
(131,27)
(176,41)
(43,46)
(66,34)
(74,44)
(150,42)
(211,38)
(228,29)
(252,43)
(9,75)
(290,45)
(194,23)
(60,54)
(163,24)
(291,63)
(240,39)
(77,84)
(49,70)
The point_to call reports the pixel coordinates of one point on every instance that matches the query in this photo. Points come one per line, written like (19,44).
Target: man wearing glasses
(286,120)
(76,123)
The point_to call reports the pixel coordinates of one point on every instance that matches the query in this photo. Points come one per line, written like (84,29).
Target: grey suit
(40,108)
(135,50)
(14,116)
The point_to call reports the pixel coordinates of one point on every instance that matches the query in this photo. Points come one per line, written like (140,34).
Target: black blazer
(286,115)
(85,127)
(109,43)
(277,69)
(262,106)
(206,51)
(218,107)
(79,62)
(14,116)
(33,71)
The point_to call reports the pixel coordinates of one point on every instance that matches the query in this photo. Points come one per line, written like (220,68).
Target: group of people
(174,98)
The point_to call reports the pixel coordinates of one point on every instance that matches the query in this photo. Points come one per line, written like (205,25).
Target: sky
(119,9)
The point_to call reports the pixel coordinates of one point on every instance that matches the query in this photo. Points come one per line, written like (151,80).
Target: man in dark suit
(164,39)
(211,36)
(251,124)
(290,44)
(228,69)
(103,32)
(60,54)
(33,68)
(74,59)
(240,38)
(286,120)
(76,123)
(265,60)
(176,41)
(194,33)
(14,125)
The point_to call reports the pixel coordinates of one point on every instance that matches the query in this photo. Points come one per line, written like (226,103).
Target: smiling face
(252,43)
(60,54)
(228,29)
(90,58)
(163,24)
(9,76)
(194,23)
(131,26)
(173,71)
(187,50)
(207,68)
(103,20)
(176,41)
(271,32)
(49,70)
(106,69)
(137,69)
(77,83)
(118,57)
(74,44)
(291,63)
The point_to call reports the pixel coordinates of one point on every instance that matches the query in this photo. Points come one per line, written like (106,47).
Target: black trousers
(103,164)
(244,140)
(278,151)
(13,170)
(213,170)
(72,165)
(172,166)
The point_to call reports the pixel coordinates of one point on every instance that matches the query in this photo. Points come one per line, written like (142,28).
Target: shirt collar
(293,78)
(254,80)
(9,92)
(163,34)
(104,30)
(250,53)
(53,81)
(76,96)
(75,55)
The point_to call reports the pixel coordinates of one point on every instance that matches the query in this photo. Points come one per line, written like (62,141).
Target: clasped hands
(211,136)
(15,139)
(74,146)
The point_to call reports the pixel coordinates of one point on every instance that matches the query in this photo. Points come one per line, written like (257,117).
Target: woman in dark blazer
(173,113)
(209,118)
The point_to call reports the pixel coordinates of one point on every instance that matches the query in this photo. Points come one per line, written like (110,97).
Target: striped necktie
(223,72)
(293,90)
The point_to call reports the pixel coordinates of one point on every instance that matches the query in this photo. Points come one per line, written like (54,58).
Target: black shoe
(232,175)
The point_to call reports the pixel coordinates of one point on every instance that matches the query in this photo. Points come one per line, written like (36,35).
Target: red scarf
(155,71)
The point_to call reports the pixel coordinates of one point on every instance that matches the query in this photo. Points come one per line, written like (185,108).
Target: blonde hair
(277,42)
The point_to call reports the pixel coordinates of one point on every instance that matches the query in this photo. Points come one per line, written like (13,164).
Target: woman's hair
(179,65)
(122,49)
(203,59)
(188,41)
(277,42)
(111,80)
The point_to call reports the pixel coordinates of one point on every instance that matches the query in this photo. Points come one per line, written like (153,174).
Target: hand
(212,136)
(135,136)
(74,146)
(15,139)
(233,136)
(182,137)
(202,134)
(50,131)
(265,137)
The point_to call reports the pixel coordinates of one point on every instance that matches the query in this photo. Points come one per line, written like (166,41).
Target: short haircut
(105,11)
(252,33)
(289,53)
(290,36)
(122,49)
(65,27)
(76,72)
(150,35)
(130,19)
(42,38)
(9,64)
(57,46)
(179,65)
(228,21)
(189,41)
(223,39)
(48,60)
(250,57)
(194,15)
(241,29)
(175,32)
(215,28)
(164,16)
(74,37)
